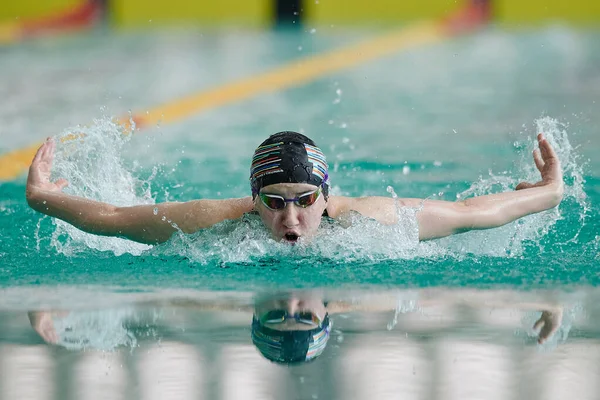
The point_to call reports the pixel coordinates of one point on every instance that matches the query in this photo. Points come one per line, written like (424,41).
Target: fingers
(49,149)
(50,152)
(544,328)
(548,330)
(546,149)
(548,324)
(537,158)
(538,324)
(43,324)
(49,335)
(40,152)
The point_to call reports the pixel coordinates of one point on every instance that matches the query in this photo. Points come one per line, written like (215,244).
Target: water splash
(406,304)
(90,158)
(94,166)
(510,240)
(103,330)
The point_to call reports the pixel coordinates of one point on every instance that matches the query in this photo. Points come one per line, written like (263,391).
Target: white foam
(91,159)
(95,169)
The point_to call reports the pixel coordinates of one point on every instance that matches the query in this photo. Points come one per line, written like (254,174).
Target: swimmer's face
(292,222)
(293,304)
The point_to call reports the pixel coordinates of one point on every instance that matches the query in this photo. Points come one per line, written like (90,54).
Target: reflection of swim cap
(290,347)
(288,157)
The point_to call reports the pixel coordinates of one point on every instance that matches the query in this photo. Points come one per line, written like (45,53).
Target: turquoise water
(402,121)
(446,121)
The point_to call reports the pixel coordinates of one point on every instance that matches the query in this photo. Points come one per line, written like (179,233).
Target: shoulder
(338,205)
(198,214)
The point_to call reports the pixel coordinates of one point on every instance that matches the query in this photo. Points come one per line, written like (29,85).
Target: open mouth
(291,237)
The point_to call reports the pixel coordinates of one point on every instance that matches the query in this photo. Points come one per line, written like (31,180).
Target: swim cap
(290,347)
(288,157)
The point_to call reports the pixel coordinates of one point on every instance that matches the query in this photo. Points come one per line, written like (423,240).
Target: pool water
(447,121)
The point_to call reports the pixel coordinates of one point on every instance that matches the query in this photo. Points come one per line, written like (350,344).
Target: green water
(402,121)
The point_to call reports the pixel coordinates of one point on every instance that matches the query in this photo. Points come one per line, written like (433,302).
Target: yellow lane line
(293,74)
(14,163)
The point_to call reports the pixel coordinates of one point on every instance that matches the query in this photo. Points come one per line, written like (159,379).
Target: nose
(293,305)
(290,216)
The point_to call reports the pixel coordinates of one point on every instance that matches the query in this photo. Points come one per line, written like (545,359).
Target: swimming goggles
(303,317)
(275,202)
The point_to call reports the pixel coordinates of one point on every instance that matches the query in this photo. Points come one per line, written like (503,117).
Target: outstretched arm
(547,324)
(146,223)
(441,218)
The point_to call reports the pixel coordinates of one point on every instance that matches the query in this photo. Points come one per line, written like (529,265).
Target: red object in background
(79,18)
(472,16)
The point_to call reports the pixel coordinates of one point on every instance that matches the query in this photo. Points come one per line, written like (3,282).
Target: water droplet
(454,130)
(155,211)
(164,218)
(330,122)
(344,125)
(406,170)
(299,48)
(338,92)
(44,202)
(390,190)
(437,163)
(313,31)
(346,140)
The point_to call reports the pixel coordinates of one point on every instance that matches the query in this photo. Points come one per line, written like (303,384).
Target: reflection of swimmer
(291,329)
(290,191)
(98,329)
(286,328)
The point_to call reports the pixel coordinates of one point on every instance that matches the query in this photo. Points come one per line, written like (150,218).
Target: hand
(548,324)
(39,171)
(42,323)
(548,164)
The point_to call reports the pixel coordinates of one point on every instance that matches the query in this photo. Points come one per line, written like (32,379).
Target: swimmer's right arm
(150,224)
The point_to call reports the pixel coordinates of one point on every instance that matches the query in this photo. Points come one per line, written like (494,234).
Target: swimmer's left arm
(442,218)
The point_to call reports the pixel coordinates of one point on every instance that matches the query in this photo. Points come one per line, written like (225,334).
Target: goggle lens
(308,199)
(279,316)
(275,202)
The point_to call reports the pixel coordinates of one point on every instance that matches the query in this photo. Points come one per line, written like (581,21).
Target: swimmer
(287,327)
(289,179)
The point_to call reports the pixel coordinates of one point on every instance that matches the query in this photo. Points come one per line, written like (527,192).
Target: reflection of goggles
(303,317)
(290,347)
(275,202)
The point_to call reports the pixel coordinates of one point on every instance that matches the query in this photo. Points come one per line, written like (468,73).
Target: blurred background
(65,60)
(29,17)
